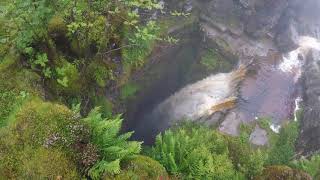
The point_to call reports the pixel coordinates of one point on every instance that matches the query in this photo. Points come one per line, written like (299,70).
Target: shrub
(311,166)
(283,172)
(245,159)
(194,152)
(57,27)
(283,145)
(140,44)
(68,78)
(101,72)
(264,123)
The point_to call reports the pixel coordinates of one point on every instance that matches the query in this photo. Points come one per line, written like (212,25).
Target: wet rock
(231,124)
(288,38)
(309,138)
(265,17)
(259,137)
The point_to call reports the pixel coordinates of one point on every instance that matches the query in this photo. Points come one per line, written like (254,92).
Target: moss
(128,91)
(213,61)
(283,172)
(39,140)
(45,163)
(39,123)
(15,84)
(142,168)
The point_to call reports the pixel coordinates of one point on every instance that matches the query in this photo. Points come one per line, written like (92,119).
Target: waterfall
(195,102)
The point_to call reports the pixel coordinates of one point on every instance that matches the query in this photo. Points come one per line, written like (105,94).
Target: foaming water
(275,89)
(309,42)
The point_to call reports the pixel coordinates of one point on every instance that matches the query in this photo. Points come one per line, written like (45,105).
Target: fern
(102,166)
(195,152)
(114,147)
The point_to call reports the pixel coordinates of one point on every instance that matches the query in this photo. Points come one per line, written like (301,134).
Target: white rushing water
(292,63)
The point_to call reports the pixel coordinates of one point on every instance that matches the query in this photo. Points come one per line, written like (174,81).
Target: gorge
(276,37)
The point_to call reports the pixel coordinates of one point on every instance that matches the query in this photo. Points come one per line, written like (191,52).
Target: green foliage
(101,72)
(57,26)
(311,166)
(140,44)
(264,123)
(283,145)
(41,61)
(10,101)
(114,147)
(16,85)
(27,21)
(245,131)
(128,91)
(196,153)
(247,160)
(68,77)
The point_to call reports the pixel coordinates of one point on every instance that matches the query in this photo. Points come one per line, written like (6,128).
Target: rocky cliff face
(239,31)
(253,28)
(309,140)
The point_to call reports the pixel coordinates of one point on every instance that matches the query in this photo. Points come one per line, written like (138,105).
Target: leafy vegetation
(201,153)
(114,148)
(311,166)
(283,145)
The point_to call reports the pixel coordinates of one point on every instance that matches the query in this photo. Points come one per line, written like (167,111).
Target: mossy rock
(142,168)
(44,163)
(283,173)
(36,163)
(37,143)
(40,123)
(15,84)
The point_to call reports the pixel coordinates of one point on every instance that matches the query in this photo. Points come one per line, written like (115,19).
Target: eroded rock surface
(309,140)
